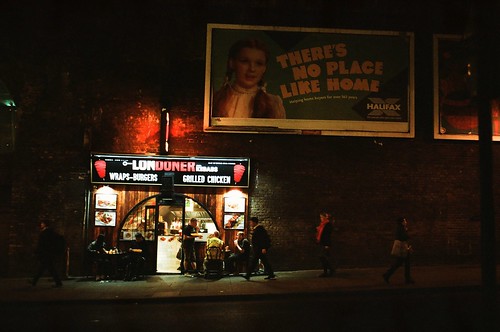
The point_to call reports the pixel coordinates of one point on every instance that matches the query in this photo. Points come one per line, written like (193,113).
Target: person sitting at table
(214,256)
(97,252)
(240,254)
(136,258)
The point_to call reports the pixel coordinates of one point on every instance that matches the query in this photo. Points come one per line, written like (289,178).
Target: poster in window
(455,90)
(309,81)
(105,218)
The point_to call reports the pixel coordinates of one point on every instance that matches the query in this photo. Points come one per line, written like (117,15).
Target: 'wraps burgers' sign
(188,171)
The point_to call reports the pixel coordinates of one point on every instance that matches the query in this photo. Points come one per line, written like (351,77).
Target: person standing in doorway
(324,239)
(189,234)
(401,251)
(260,247)
(46,252)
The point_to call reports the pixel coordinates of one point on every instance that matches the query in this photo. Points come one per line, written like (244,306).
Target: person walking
(260,246)
(47,252)
(324,239)
(401,251)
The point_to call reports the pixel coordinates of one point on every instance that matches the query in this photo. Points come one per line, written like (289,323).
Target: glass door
(169,252)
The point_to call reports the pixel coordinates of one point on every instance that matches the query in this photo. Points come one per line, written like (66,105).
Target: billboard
(456,101)
(309,81)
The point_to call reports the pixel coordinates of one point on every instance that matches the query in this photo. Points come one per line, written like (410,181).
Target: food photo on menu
(234,221)
(105,218)
(234,204)
(105,201)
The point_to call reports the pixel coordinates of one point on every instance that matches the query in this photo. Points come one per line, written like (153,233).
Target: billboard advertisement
(309,81)
(456,101)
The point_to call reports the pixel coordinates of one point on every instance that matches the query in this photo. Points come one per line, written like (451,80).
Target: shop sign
(188,171)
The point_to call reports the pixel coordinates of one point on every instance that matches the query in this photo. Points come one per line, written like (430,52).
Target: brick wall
(90,93)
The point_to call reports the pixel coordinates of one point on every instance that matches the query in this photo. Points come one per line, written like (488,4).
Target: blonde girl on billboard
(244,95)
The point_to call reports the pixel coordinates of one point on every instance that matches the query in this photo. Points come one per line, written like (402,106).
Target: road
(375,311)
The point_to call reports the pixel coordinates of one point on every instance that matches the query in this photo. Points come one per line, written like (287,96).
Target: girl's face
(249,67)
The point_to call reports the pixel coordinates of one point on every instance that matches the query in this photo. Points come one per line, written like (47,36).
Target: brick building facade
(86,76)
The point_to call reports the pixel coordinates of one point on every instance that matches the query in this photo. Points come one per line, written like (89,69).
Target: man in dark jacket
(260,246)
(136,258)
(402,257)
(47,253)
(241,252)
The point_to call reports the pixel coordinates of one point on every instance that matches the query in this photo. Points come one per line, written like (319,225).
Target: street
(363,311)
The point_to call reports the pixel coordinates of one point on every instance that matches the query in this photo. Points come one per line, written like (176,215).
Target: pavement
(287,283)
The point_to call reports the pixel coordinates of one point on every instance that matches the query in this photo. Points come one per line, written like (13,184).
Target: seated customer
(240,254)
(136,257)
(215,252)
(97,252)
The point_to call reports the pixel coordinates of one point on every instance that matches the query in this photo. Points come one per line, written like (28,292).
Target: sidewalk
(182,288)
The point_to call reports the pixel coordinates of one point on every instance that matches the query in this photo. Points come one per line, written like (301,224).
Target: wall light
(105,190)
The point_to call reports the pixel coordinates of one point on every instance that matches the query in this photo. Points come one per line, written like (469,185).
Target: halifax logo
(388,108)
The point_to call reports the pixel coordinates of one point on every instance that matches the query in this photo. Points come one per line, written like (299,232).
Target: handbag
(179,254)
(400,249)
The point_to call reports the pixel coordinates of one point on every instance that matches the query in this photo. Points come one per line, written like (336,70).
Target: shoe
(386,278)
(271,277)
(247,277)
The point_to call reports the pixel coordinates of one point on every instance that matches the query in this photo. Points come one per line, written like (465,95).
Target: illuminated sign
(188,171)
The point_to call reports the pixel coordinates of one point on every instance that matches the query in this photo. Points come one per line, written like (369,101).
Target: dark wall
(85,74)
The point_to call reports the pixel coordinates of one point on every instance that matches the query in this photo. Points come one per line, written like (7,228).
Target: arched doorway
(161,222)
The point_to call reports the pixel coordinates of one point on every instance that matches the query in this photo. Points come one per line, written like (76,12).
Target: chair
(214,262)
(89,265)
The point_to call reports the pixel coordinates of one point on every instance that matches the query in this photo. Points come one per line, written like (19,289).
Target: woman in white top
(245,97)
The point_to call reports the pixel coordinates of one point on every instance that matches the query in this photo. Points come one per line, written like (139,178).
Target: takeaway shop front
(158,195)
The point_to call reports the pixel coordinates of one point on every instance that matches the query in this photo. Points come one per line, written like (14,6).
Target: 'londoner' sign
(188,171)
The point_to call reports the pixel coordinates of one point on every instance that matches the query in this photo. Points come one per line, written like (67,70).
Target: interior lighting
(234,193)
(105,190)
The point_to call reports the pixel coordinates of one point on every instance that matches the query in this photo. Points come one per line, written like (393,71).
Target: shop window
(141,219)
(170,219)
